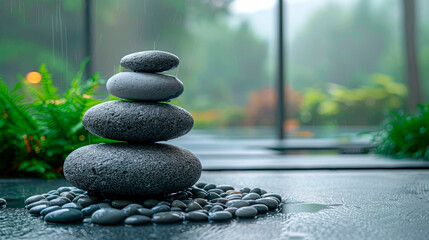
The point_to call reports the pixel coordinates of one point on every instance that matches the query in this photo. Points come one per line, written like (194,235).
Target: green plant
(40,127)
(404,135)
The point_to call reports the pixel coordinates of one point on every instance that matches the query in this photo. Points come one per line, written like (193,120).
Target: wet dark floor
(319,205)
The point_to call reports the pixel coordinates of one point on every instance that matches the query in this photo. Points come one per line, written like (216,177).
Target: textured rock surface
(131,169)
(137,121)
(144,86)
(150,61)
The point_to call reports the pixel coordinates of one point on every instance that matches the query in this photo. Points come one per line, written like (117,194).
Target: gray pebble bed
(200,203)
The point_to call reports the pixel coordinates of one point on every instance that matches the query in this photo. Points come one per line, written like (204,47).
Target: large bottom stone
(123,169)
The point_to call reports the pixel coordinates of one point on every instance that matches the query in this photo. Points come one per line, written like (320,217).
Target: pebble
(251,196)
(216,190)
(85,201)
(194,206)
(167,217)
(160,208)
(120,203)
(64,215)
(237,203)
(59,201)
(44,202)
(245,190)
(196,217)
(209,186)
(88,211)
(63,189)
(177,209)
(232,210)
(200,184)
(37,209)
(150,203)
(225,187)
(270,203)
(131,210)
(179,204)
(273,195)
(213,195)
(246,212)
(72,205)
(33,199)
(144,86)
(261,208)
(104,205)
(107,216)
(216,208)
(136,220)
(220,216)
(256,190)
(51,197)
(145,211)
(2,202)
(68,195)
(150,61)
(47,210)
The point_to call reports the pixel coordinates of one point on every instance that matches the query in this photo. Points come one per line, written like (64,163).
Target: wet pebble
(108,216)
(196,216)
(47,210)
(150,203)
(33,199)
(251,196)
(41,202)
(136,220)
(269,202)
(88,211)
(237,203)
(209,186)
(59,201)
(72,205)
(64,215)
(160,208)
(131,210)
(246,212)
(273,195)
(2,202)
(225,187)
(167,217)
(220,216)
(85,201)
(261,208)
(145,211)
(37,209)
(194,206)
(120,203)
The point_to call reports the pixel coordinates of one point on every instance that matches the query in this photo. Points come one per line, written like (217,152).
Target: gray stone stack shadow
(138,167)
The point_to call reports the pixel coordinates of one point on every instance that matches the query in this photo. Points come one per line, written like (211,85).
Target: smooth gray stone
(251,196)
(232,210)
(145,211)
(269,202)
(135,205)
(68,195)
(137,121)
(52,197)
(86,220)
(108,216)
(237,203)
(216,208)
(33,199)
(233,196)
(212,196)
(131,210)
(119,203)
(64,189)
(150,61)
(196,216)
(216,190)
(176,209)
(225,187)
(64,215)
(59,201)
(179,204)
(160,208)
(37,209)
(47,210)
(72,205)
(261,208)
(164,203)
(2,202)
(208,207)
(104,205)
(256,190)
(200,195)
(150,203)
(278,201)
(41,202)
(246,212)
(209,186)
(219,200)
(220,216)
(136,220)
(85,201)
(132,169)
(193,206)
(88,211)
(144,86)
(201,201)
(167,217)
(245,190)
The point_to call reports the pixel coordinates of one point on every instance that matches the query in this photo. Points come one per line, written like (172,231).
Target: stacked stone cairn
(139,181)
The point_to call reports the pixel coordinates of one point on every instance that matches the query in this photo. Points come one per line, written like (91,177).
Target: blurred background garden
(345,67)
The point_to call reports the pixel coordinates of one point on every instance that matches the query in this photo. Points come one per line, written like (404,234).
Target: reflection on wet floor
(306,207)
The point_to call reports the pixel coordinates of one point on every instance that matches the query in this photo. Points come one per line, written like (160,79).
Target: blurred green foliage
(40,127)
(347,106)
(405,135)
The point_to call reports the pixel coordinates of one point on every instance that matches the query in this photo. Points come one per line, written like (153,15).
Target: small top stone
(150,61)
